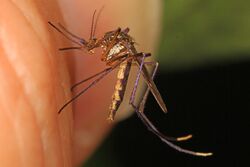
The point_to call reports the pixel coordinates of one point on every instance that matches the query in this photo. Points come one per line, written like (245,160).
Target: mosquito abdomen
(120,86)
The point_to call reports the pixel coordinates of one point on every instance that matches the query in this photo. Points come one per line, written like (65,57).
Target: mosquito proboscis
(118,51)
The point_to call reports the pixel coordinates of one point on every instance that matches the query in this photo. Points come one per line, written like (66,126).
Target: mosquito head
(93,41)
(91,45)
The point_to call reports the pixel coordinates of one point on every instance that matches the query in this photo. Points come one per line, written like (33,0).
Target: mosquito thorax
(116,43)
(115,50)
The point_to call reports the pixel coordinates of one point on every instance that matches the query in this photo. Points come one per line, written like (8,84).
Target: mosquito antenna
(96,21)
(92,25)
(83,41)
(165,139)
(56,28)
(89,86)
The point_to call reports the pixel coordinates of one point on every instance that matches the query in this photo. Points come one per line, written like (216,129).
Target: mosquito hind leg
(166,139)
(149,124)
(132,97)
(142,116)
(144,99)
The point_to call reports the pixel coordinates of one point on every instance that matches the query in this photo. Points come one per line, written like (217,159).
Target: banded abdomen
(120,87)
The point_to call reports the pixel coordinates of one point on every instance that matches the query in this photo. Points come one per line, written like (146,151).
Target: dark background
(204,78)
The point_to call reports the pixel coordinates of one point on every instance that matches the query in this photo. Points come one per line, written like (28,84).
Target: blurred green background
(204,57)
(199,32)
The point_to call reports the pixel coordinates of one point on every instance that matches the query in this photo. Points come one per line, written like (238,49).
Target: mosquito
(118,51)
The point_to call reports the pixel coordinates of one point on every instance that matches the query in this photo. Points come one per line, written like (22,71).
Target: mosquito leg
(166,139)
(93,76)
(153,129)
(149,124)
(132,97)
(70,48)
(144,99)
(89,86)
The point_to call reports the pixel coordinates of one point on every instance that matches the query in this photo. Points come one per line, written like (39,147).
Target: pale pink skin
(35,78)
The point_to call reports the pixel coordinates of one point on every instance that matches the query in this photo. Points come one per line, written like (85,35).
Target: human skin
(35,78)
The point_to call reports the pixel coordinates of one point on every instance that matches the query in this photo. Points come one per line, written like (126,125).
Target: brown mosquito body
(118,51)
(116,45)
(120,88)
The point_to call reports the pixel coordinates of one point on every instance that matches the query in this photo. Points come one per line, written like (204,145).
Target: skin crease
(36,77)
